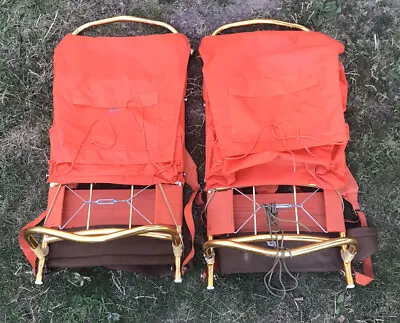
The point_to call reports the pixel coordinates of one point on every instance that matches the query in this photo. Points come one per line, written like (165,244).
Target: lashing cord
(141,129)
(278,133)
(272,220)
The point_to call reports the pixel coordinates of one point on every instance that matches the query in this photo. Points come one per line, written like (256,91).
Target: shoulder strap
(29,254)
(368,272)
(192,181)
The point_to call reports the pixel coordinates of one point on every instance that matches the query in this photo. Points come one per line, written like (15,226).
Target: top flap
(274,91)
(119,101)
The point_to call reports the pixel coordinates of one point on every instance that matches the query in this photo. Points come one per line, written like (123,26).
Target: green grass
(29,31)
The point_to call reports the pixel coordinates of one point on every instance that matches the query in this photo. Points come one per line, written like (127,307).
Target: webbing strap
(192,181)
(191,172)
(368,272)
(190,224)
(29,254)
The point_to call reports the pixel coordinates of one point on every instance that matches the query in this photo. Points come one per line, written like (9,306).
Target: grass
(29,31)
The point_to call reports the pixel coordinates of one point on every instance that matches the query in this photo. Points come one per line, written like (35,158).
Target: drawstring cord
(298,137)
(273,221)
(94,142)
(141,128)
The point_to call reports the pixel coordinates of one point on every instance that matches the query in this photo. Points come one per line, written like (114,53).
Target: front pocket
(110,122)
(269,109)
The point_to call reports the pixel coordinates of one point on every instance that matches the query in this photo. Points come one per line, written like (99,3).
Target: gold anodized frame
(349,249)
(104,235)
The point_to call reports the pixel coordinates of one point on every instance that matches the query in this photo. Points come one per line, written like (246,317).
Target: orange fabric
(229,213)
(29,254)
(191,226)
(334,212)
(191,177)
(150,203)
(367,276)
(368,271)
(220,213)
(119,118)
(174,197)
(350,193)
(192,180)
(269,119)
(55,203)
(118,109)
(275,103)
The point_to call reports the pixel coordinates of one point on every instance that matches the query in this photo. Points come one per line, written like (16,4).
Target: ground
(29,31)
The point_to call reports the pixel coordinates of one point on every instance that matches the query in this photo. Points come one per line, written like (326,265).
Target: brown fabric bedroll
(135,254)
(233,261)
(138,254)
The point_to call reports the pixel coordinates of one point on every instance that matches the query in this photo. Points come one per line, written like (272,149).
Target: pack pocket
(271,108)
(111,122)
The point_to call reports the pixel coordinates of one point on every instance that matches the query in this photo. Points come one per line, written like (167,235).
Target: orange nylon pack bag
(278,188)
(117,159)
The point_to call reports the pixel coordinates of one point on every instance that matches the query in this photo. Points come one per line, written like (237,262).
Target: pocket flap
(268,87)
(113,94)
